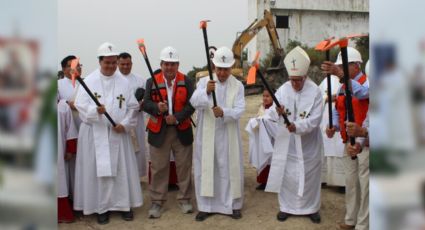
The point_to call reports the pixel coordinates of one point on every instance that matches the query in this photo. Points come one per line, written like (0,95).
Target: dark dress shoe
(282,216)
(78,214)
(173,187)
(201,216)
(103,218)
(236,214)
(127,216)
(261,187)
(315,218)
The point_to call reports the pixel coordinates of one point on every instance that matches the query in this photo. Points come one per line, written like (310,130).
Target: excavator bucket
(276,74)
(276,64)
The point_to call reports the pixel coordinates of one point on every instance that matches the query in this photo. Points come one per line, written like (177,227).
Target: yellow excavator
(249,33)
(275,74)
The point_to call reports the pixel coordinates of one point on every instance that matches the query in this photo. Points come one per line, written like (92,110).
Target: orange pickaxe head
(253,70)
(203,24)
(356,36)
(74,72)
(342,42)
(142,47)
(324,43)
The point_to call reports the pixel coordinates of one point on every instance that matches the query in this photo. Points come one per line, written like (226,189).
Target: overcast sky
(84,25)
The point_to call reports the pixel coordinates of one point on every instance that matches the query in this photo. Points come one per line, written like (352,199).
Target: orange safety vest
(179,101)
(360,108)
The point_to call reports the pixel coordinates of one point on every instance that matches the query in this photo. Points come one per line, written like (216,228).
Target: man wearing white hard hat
(357,170)
(218,159)
(169,131)
(296,162)
(359,88)
(106,177)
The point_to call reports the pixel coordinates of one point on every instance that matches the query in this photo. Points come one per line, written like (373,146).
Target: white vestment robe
(66,131)
(140,130)
(106,177)
(218,185)
(261,130)
(66,91)
(332,165)
(296,162)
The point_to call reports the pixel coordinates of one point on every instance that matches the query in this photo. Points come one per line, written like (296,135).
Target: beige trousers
(160,168)
(357,189)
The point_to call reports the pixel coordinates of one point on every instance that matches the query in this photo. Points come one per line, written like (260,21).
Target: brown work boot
(345,226)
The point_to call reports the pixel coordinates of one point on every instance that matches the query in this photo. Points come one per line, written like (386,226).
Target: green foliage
(292,44)
(362,45)
(48,109)
(192,73)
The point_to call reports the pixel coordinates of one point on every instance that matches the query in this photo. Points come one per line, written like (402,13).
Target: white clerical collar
(107,78)
(126,76)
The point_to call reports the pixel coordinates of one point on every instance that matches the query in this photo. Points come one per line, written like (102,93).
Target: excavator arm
(249,33)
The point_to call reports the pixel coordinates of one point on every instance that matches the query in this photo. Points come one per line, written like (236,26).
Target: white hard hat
(353,56)
(297,62)
(367,68)
(169,54)
(106,49)
(223,57)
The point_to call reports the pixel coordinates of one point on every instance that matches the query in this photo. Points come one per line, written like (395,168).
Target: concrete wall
(324,5)
(310,27)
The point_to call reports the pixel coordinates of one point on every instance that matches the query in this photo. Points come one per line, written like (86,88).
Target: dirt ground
(259,211)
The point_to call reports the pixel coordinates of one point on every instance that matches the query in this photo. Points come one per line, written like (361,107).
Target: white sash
(278,165)
(134,140)
(208,134)
(106,143)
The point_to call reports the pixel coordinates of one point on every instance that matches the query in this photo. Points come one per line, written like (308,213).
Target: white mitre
(297,62)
